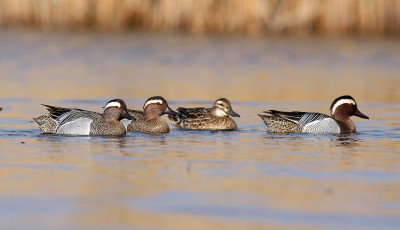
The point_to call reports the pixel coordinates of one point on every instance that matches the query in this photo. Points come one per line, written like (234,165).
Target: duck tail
(46,123)
(55,111)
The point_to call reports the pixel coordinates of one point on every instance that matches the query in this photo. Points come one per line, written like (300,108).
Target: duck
(201,118)
(149,120)
(73,121)
(342,108)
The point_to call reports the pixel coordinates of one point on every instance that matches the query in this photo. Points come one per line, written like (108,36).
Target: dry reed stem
(328,17)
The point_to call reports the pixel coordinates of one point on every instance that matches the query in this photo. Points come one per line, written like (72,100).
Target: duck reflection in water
(346,140)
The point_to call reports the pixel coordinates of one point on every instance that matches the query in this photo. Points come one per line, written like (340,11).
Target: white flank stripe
(79,126)
(112,104)
(326,125)
(152,102)
(341,102)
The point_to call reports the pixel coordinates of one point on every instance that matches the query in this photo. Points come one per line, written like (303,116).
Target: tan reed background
(254,17)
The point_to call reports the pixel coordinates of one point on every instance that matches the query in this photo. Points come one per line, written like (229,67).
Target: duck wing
(136,113)
(301,118)
(65,115)
(193,113)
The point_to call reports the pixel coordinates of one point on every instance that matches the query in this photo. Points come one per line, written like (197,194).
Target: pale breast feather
(126,122)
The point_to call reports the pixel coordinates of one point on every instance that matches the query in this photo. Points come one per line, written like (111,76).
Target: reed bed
(255,17)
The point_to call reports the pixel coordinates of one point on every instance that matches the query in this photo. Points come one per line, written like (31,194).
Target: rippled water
(187,179)
(244,179)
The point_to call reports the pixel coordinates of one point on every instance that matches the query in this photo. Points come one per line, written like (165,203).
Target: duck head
(222,108)
(157,106)
(116,110)
(344,107)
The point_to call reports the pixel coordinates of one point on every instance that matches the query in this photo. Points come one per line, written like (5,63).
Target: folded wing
(66,115)
(301,118)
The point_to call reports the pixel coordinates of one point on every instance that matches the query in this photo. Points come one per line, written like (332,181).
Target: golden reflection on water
(103,178)
(245,179)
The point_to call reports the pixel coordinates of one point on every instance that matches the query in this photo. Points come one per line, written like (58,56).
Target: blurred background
(253,50)
(252,17)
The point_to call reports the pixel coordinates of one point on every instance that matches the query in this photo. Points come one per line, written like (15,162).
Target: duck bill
(126,115)
(232,113)
(360,114)
(168,110)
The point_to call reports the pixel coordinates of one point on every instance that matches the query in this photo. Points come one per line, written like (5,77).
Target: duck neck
(345,123)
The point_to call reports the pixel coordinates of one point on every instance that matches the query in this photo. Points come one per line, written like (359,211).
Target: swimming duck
(74,121)
(149,120)
(342,109)
(215,118)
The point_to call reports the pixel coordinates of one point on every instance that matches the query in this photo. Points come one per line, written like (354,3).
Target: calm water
(244,179)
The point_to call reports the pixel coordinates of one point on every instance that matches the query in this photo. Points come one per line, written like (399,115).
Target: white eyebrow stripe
(112,104)
(155,101)
(341,102)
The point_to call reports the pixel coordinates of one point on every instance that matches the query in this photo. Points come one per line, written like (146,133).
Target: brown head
(222,108)
(116,110)
(344,107)
(157,106)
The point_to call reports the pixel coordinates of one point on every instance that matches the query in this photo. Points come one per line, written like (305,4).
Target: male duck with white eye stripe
(339,122)
(149,120)
(72,121)
(215,118)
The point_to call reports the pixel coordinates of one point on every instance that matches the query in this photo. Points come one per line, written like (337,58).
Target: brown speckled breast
(114,128)
(153,126)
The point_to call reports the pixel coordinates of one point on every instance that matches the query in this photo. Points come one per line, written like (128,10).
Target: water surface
(195,180)
(244,179)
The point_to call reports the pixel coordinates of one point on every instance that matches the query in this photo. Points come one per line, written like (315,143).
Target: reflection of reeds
(329,17)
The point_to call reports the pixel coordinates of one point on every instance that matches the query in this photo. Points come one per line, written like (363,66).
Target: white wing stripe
(310,117)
